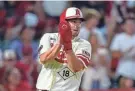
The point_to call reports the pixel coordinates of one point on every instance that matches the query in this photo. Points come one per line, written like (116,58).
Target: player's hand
(66,35)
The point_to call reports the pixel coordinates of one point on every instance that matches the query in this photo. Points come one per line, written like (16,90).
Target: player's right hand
(66,35)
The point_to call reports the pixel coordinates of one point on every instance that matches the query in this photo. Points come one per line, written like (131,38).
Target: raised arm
(75,62)
(48,53)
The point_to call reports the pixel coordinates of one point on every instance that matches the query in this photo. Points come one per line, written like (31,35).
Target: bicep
(84,55)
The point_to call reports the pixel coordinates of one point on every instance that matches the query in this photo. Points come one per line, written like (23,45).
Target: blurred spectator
(2,88)
(10,7)
(100,5)
(109,29)
(119,10)
(9,58)
(2,17)
(13,28)
(11,32)
(28,66)
(9,61)
(125,82)
(52,15)
(103,7)
(23,7)
(26,38)
(13,82)
(42,22)
(8,38)
(50,11)
(39,10)
(96,77)
(31,20)
(126,75)
(123,49)
(30,17)
(90,25)
(122,9)
(1,58)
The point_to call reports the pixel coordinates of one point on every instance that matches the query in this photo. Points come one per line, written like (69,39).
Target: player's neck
(73,37)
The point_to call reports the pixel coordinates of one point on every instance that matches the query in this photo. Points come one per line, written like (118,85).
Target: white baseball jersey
(55,75)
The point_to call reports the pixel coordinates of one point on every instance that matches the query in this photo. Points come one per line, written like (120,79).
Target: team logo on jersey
(66,73)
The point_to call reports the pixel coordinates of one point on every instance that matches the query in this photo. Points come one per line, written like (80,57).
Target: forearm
(54,52)
(50,54)
(73,62)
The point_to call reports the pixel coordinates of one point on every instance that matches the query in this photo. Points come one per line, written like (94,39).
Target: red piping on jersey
(84,60)
(84,56)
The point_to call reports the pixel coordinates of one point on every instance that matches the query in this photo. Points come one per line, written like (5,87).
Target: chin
(75,34)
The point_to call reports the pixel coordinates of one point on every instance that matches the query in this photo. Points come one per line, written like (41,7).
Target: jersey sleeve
(83,53)
(44,44)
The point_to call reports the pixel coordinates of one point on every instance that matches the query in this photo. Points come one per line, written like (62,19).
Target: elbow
(76,69)
(73,70)
(43,59)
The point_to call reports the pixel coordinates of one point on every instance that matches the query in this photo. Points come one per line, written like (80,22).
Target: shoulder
(84,42)
(49,35)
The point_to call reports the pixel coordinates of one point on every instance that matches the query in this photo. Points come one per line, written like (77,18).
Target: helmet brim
(82,19)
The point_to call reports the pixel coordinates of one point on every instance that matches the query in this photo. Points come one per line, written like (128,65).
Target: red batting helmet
(71,13)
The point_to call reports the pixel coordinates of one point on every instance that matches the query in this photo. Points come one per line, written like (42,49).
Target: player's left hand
(66,35)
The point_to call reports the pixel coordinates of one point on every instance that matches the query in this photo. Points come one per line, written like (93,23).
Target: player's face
(75,25)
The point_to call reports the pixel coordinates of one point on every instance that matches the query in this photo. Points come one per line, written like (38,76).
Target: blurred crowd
(109,27)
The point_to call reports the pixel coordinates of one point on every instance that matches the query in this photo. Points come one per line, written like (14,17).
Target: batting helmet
(71,13)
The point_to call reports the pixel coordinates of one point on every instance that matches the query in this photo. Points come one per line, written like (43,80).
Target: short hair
(90,13)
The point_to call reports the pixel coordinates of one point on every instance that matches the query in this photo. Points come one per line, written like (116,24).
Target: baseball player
(63,55)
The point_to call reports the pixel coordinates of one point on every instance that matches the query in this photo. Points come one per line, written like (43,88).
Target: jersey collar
(75,39)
